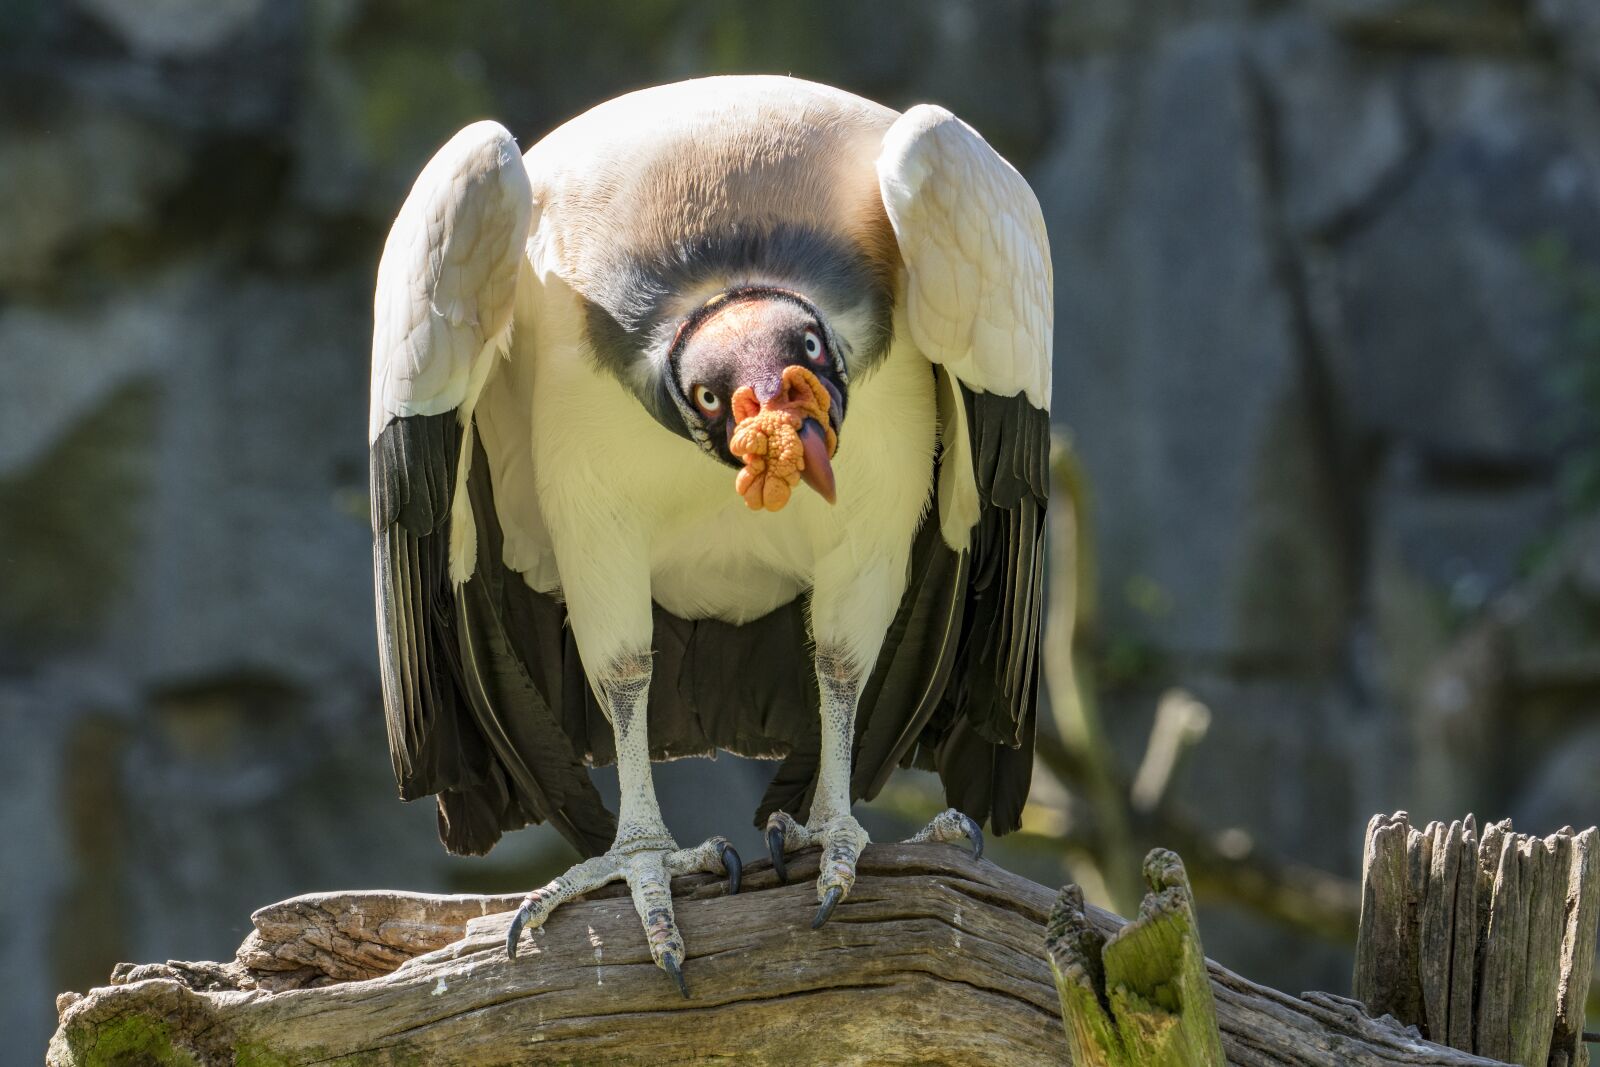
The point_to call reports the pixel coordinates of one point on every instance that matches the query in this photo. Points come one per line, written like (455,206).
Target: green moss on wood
(131,1041)
(1141,998)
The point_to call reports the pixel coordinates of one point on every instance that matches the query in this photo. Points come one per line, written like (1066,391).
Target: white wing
(448,276)
(978,280)
(467,721)
(976,301)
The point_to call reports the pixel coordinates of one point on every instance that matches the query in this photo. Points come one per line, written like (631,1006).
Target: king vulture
(600,373)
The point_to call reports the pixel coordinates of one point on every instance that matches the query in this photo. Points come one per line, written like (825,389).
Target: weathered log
(934,958)
(1141,997)
(1485,945)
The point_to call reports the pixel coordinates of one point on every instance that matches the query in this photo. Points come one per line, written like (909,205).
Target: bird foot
(951,825)
(647,865)
(841,838)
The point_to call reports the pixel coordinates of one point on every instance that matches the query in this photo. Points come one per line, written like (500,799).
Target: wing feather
(448,276)
(976,296)
(470,719)
(978,275)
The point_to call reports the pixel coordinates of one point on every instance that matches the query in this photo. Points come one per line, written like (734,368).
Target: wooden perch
(1141,997)
(1487,945)
(933,958)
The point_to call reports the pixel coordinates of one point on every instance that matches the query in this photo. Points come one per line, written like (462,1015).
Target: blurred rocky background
(1328,351)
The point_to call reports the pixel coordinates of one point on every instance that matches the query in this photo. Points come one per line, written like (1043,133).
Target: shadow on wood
(934,958)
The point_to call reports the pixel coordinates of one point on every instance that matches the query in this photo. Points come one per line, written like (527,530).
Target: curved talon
(775,850)
(518,921)
(731,864)
(975,834)
(829,902)
(670,965)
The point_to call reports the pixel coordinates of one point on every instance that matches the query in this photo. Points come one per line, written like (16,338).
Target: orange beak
(783,441)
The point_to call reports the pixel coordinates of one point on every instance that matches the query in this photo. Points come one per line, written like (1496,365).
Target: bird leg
(831,825)
(643,854)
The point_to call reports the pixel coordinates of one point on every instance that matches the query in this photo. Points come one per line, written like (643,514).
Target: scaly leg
(854,597)
(831,825)
(644,853)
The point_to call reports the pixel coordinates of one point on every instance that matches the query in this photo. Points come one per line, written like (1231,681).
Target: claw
(775,850)
(518,921)
(731,864)
(948,826)
(829,902)
(670,965)
(975,834)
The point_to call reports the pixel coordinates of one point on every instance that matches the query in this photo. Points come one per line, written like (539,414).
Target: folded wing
(474,664)
(977,304)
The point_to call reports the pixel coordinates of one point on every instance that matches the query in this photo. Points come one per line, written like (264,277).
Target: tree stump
(1141,997)
(934,958)
(1484,945)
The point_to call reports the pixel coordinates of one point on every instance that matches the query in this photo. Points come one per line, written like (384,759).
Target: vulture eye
(709,403)
(814,350)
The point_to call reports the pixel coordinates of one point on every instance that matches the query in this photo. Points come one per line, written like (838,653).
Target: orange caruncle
(768,439)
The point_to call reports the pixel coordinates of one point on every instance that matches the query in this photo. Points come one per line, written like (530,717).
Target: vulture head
(761,384)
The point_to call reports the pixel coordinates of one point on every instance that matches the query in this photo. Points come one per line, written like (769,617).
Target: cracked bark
(933,958)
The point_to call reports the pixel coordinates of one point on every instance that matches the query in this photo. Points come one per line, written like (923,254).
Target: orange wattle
(768,438)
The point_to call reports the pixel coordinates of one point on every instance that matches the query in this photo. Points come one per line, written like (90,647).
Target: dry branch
(934,958)
(1129,817)
(1297,895)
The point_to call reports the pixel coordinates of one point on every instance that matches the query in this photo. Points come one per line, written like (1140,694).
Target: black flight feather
(465,720)
(980,738)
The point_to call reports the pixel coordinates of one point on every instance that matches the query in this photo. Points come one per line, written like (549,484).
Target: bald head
(746,339)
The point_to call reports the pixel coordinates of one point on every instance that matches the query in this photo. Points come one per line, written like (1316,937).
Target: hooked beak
(818,471)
